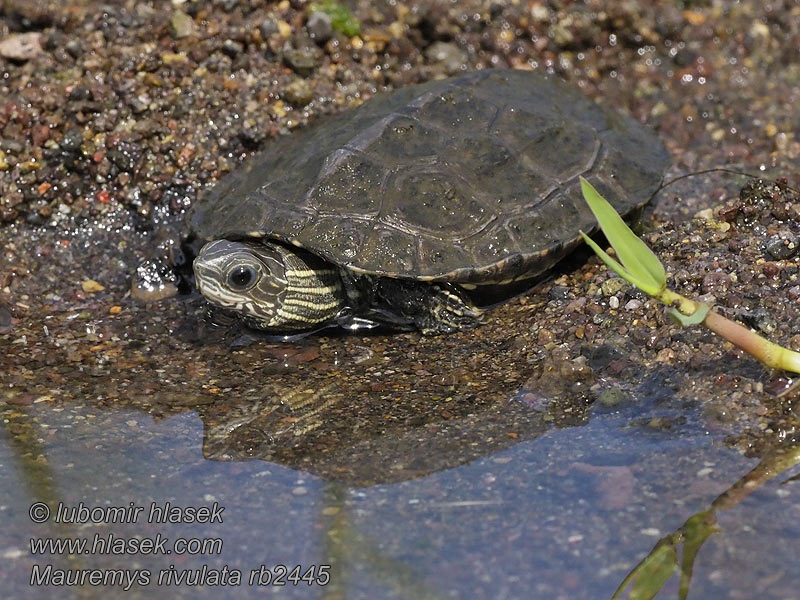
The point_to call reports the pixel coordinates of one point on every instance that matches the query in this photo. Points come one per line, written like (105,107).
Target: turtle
(394,213)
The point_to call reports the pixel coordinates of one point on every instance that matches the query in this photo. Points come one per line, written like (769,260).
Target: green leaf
(697,529)
(650,575)
(644,269)
(656,571)
(643,283)
(695,318)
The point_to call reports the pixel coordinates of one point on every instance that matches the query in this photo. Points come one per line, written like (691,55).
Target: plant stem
(772,355)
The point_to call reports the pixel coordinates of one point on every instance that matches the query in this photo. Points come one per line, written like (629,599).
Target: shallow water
(565,515)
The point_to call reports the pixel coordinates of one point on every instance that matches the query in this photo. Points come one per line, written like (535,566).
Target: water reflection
(341,438)
(347,443)
(651,575)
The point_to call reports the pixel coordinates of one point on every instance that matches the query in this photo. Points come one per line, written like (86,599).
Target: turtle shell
(469,179)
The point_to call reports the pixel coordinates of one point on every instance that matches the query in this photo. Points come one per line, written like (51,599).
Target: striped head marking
(246,277)
(271,287)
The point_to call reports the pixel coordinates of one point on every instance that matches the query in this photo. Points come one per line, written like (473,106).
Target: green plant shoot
(640,267)
(342,19)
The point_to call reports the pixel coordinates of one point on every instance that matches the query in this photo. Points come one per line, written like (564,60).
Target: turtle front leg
(432,308)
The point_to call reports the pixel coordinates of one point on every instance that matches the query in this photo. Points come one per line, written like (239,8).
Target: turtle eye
(242,277)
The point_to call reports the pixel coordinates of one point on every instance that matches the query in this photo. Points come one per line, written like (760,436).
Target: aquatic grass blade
(648,577)
(697,530)
(633,253)
(618,268)
(655,574)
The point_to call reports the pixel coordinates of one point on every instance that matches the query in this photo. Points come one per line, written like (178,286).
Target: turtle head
(269,286)
(248,278)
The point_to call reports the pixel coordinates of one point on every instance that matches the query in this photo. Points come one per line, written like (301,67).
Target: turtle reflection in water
(390,213)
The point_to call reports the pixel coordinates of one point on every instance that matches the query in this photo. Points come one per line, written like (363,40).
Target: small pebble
(302,61)
(612,397)
(633,304)
(23,46)
(232,48)
(80,92)
(715,282)
(319,27)
(559,292)
(90,285)
(611,286)
(299,92)
(181,24)
(267,28)
(447,55)
(781,248)
(73,138)
(73,48)
(6,318)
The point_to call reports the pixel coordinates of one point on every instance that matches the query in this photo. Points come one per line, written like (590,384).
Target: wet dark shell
(470,179)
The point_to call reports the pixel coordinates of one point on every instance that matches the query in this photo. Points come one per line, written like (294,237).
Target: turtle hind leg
(431,308)
(450,310)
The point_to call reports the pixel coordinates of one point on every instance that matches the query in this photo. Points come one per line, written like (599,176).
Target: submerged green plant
(342,19)
(640,267)
(678,551)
